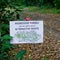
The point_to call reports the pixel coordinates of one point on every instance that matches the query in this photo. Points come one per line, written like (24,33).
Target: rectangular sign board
(26,32)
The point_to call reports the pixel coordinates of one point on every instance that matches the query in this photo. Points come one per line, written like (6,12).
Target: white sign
(26,32)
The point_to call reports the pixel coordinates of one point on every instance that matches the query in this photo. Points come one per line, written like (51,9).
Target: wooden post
(27,47)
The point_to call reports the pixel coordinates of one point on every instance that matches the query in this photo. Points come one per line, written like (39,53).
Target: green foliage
(5,46)
(29,59)
(43,10)
(46,3)
(57,3)
(8,11)
(20,54)
(33,2)
(38,2)
(44,58)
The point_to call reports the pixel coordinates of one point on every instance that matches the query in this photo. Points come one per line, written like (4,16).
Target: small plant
(29,59)
(44,58)
(20,54)
(5,46)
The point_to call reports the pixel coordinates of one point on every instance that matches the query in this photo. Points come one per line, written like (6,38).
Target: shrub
(57,3)
(8,10)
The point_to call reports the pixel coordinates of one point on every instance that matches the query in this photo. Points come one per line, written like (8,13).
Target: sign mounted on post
(26,32)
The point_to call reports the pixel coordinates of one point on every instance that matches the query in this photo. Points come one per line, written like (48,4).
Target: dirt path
(51,46)
(51,22)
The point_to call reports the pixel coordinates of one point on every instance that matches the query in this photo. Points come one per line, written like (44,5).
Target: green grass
(43,10)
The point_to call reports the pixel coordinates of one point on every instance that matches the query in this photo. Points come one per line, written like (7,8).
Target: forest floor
(50,48)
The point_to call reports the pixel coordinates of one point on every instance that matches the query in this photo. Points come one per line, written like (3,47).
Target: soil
(50,48)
